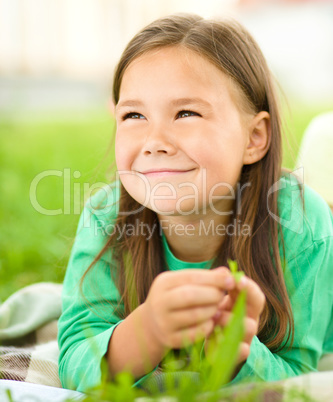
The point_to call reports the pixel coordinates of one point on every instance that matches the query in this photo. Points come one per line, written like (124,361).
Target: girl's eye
(133,115)
(186,113)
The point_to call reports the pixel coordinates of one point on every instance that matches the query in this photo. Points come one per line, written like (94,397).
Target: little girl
(198,153)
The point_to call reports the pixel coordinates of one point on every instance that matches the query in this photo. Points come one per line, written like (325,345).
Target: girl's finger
(226,303)
(191,317)
(188,296)
(250,325)
(244,352)
(220,278)
(255,298)
(193,334)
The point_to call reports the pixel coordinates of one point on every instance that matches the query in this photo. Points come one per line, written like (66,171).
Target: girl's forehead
(182,54)
(192,64)
(176,62)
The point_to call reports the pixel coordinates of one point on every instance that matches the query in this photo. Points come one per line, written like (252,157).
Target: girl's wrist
(152,340)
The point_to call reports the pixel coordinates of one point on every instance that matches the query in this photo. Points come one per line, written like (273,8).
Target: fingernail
(217,315)
(243,282)
(229,282)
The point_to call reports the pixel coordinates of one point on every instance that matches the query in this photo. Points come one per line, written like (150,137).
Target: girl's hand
(255,302)
(180,306)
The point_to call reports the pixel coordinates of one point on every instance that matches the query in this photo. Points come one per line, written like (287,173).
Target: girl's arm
(87,322)
(132,346)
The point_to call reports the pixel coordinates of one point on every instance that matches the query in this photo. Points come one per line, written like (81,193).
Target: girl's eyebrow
(129,102)
(176,102)
(191,101)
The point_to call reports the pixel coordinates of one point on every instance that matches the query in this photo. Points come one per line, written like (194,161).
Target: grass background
(35,247)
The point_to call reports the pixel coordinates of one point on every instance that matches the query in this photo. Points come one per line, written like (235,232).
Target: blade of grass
(223,359)
(234,270)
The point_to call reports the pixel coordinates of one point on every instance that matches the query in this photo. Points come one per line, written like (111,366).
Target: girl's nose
(157,143)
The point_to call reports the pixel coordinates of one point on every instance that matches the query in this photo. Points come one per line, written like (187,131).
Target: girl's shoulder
(304,215)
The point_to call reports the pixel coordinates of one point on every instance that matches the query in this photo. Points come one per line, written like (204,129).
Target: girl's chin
(165,208)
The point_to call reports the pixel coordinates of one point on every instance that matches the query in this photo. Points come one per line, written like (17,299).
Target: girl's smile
(164,172)
(176,117)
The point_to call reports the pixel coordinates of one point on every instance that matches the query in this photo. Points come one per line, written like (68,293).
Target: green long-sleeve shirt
(84,333)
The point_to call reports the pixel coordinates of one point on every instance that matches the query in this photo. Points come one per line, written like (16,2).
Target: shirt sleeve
(87,323)
(308,279)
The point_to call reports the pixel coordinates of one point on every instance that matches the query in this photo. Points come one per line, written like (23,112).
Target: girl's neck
(195,238)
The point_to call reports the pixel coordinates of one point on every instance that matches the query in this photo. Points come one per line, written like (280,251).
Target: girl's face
(181,138)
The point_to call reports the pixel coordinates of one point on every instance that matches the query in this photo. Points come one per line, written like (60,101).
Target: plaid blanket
(28,335)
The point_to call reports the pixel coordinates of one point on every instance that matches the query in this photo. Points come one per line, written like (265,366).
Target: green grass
(35,247)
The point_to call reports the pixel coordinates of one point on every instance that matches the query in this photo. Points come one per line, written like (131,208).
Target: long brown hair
(232,49)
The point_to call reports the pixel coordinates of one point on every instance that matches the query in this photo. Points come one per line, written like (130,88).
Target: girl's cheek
(123,162)
(123,152)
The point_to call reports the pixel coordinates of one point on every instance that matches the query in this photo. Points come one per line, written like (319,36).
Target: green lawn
(33,246)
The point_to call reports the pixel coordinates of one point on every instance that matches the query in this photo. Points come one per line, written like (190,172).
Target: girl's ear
(259,138)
